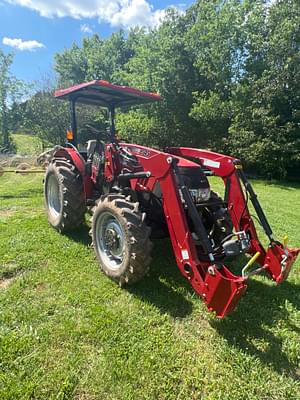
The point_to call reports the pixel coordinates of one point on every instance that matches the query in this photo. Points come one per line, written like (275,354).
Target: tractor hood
(104,94)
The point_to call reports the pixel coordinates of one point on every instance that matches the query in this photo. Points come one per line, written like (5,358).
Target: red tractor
(136,193)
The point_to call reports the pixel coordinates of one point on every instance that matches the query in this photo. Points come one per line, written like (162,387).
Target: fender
(78,161)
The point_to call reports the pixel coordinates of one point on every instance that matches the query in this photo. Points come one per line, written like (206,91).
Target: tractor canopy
(104,94)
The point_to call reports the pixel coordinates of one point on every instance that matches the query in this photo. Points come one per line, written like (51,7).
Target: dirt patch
(9,271)
(4,283)
(5,214)
(40,287)
(85,396)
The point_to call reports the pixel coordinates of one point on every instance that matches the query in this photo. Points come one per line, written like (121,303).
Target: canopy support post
(73,122)
(112,114)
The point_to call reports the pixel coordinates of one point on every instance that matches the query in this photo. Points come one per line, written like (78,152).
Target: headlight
(200,194)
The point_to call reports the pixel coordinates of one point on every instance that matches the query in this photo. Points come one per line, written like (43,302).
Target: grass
(28,145)
(68,332)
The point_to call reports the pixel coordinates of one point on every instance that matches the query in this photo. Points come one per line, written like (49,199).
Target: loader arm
(219,288)
(278,259)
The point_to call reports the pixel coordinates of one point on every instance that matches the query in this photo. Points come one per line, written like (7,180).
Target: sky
(34,30)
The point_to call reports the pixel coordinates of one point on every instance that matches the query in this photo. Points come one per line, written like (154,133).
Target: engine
(197,183)
(214,215)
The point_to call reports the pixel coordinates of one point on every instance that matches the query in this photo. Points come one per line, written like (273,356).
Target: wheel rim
(110,240)
(53,196)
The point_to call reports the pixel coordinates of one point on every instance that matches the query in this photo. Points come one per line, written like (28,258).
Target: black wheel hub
(112,239)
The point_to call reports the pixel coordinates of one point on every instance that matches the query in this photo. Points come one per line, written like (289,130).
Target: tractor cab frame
(103,94)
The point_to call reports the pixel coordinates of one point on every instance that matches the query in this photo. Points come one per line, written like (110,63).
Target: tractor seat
(91,145)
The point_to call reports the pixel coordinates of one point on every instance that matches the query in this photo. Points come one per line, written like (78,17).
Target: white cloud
(124,13)
(85,28)
(19,44)
(136,12)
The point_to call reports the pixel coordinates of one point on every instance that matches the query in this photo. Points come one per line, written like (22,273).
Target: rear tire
(121,239)
(64,195)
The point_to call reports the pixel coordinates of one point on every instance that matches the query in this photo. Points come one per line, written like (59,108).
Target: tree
(46,117)
(95,59)
(162,63)
(216,42)
(71,66)
(11,92)
(5,91)
(265,130)
(49,119)
(229,74)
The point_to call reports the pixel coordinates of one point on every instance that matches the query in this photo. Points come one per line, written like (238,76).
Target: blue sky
(36,29)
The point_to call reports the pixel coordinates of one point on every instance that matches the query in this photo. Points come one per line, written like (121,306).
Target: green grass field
(68,332)
(29,145)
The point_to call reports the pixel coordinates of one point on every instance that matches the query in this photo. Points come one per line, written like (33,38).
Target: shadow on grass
(80,235)
(284,185)
(164,287)
(22,195)
(249,327)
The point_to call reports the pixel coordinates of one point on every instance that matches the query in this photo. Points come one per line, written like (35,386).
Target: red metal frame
(219,288)
(277,260)
(102,93)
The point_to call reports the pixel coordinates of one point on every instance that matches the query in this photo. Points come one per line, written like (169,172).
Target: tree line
(228,71)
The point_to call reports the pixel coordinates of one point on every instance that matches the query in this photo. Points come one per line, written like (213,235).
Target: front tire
(121,239)
(64,196)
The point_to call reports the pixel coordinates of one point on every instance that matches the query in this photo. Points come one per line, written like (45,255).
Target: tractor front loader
(136,193)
